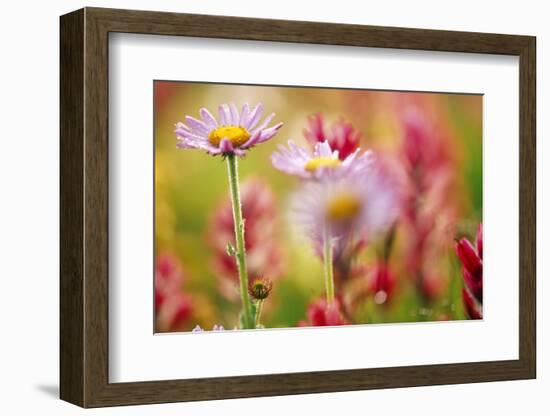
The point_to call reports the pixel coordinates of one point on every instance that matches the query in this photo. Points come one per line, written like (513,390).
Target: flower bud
(259,288)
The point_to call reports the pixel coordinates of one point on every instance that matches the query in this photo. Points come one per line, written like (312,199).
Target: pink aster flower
(214,328)
(233,133)
(323,162)
(472,271)
(337,212)
(341,136)
(359,206)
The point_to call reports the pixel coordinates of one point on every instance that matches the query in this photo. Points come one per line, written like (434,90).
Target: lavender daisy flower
(322,163)
(336,211)
(231,137)
(216,327)
(197,329)
(361,205)
(234,132)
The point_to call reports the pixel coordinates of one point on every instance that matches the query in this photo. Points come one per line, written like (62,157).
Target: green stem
(328,263)
(240,254)
(258,312)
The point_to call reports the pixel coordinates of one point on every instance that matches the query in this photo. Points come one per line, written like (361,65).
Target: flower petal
(197,125)
(299,151)
(289,160)
(190,135)
(468,256)
(479,241)
(269,133)
(474,284)
(253,140)
(264,124)
(254,116)
(208,118)
(225,115)
(244,115)
(348,160)
(472,308)
(234,114)
(323,149)
(180,125)
(226,146)
(195,144)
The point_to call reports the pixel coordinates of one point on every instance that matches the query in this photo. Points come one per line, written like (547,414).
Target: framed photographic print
(257,207)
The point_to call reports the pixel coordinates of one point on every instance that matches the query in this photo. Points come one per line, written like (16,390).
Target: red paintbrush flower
(427,208)
(263,254)
(472,272)
(172,306)
(381,283)
(174,312)
(469,257)
(320,313)
(470,306)
(341,136)
(168,277)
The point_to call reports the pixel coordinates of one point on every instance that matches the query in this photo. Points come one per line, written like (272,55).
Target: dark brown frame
(84,207)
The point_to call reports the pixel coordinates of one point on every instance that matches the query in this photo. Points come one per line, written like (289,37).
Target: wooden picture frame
(84,207)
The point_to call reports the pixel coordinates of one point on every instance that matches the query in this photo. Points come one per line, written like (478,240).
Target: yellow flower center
(322,162)
(343,207)
(237,135)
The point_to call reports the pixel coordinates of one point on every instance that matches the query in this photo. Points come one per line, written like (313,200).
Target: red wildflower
(174,312)
(479,241)
(168,277)
(469,257)
(426,204)
(470,306)
(172,306)
(320,313)
(382,283)
(263,254)
(472,272)
(341,136)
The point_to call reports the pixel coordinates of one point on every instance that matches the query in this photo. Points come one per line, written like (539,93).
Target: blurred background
(430,143)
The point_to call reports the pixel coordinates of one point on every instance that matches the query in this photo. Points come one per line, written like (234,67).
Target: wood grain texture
(527,208)
(96,207)
(71,208)
(84,207)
